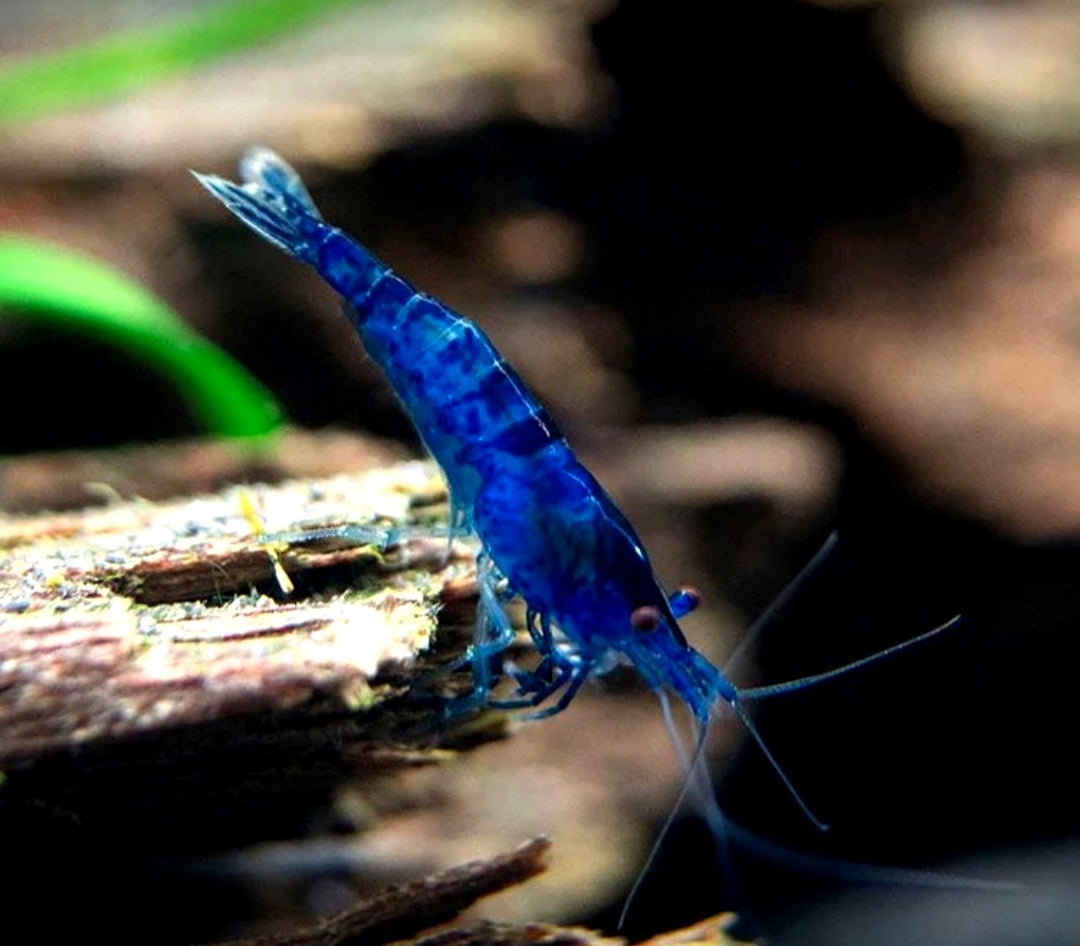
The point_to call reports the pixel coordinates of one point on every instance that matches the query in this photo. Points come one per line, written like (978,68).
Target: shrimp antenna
(856,872)
(694,777)
(772,760)
(683,602)
(801,683)
(724,830)
(781,601)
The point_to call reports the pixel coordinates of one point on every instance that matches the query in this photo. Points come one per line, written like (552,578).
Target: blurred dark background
(777,267)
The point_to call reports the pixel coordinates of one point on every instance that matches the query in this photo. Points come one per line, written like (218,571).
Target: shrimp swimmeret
(548,531)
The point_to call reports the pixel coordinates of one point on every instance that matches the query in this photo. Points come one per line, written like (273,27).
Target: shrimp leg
(569,681)
(494,633)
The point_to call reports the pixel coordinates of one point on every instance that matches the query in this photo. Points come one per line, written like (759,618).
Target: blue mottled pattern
(348,267)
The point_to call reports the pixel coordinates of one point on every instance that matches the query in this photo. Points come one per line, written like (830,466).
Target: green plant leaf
(136,58)
(56,286)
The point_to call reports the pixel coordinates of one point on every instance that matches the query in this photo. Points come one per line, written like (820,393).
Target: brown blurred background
(777,267)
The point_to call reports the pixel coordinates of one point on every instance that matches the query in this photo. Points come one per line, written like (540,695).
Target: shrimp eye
(684,601)
(646,619)
(691,595)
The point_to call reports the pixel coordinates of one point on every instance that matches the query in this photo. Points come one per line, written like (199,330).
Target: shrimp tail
(273,202)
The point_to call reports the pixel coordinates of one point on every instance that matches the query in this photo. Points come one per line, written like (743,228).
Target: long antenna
(781,601)
(692,770)
(801,683)
(753,730)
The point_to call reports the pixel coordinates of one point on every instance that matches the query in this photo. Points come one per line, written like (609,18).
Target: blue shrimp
(548,531)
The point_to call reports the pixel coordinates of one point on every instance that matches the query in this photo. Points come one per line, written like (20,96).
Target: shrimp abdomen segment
(354,271)
(467,403)
(458,388)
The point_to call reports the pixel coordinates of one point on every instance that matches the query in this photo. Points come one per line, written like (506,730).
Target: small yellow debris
(249,512)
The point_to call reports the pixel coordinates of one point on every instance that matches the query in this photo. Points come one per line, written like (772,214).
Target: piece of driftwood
(143,617)
(406,913)
(165,692)
(714,931)
(401,911)
(710,932)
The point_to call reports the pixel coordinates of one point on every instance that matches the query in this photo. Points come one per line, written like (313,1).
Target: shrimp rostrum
(548,531)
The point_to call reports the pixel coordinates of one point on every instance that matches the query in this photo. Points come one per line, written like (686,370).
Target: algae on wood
(140,617)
